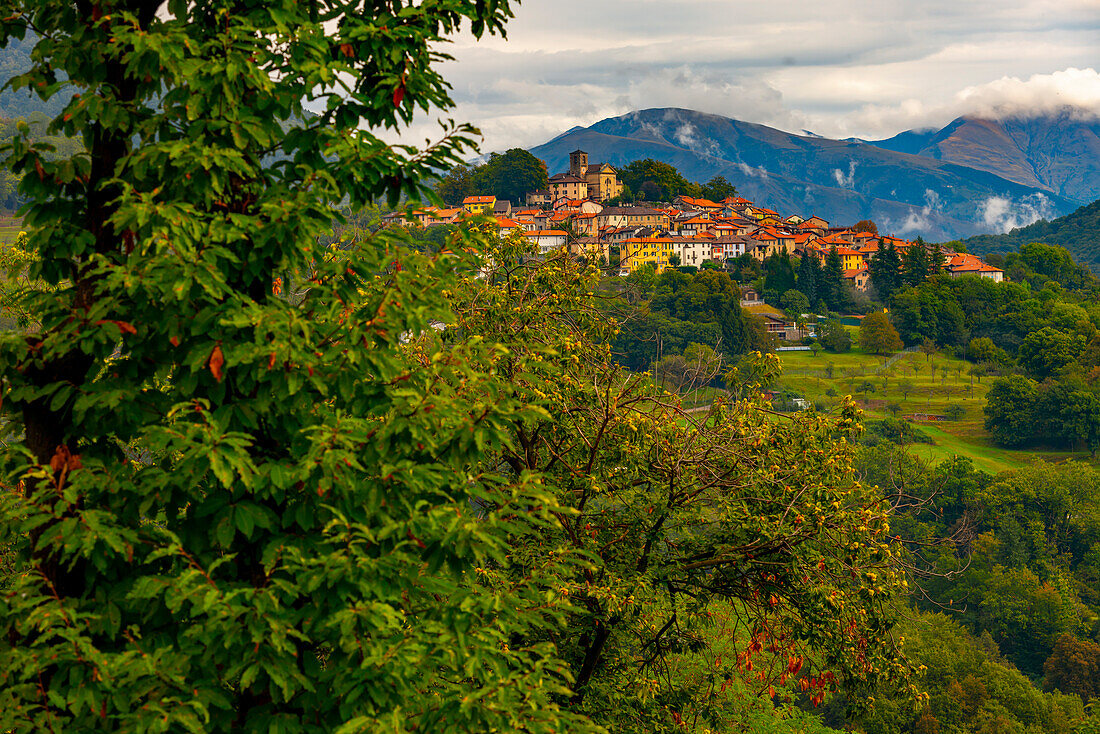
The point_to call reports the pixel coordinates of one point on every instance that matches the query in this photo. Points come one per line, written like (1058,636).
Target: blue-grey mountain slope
(841,180)
(1057,152)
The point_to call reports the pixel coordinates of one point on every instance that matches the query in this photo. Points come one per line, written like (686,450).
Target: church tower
(578,163)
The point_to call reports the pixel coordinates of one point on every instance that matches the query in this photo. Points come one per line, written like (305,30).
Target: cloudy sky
(868,68)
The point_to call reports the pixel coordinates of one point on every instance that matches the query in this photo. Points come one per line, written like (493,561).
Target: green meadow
(915,385)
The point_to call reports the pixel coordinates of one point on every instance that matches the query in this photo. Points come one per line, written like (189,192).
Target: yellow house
(638,251)
(850,259)
(479,204)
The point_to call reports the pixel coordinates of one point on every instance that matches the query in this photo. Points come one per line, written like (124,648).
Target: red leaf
(174,341)
(348,50)
(60,459)
(271,362)
(124,326)
(217,360)
(398,95)
(42,173)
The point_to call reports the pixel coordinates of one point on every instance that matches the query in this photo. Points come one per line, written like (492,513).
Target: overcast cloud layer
(838,68)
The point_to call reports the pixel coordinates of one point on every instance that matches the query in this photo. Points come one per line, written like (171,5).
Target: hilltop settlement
(580,210)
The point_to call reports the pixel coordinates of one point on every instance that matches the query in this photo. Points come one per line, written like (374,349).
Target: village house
(568,186)
(963,264)
(479,204)
(632,216)
(547,240)
(732,246)
(694,251)
(859,278)
(775,321)
(540,198)
(637,252)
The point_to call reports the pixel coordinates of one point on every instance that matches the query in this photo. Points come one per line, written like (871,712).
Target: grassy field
(912,385)
(10,227)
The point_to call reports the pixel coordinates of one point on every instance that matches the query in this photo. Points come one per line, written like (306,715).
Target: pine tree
(935,260)
(885,270)
(914,264)
(808,272)
(779,273)
(832,286)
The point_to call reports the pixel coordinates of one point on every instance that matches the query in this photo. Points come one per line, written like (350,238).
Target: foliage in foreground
(730,553)
(238,501)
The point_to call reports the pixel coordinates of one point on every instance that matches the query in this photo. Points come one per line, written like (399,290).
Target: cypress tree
(935,260)
(808,271)
(914,268)
(832,281)
(884,267)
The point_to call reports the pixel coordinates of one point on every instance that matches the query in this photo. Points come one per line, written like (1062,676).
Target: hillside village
(573,212)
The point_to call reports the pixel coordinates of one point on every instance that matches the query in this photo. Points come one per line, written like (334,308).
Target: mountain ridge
(841,180)
(1058,152)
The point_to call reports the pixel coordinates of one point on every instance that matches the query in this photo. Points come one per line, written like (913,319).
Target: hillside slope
(843,181)
(1078,232)
(1058,152)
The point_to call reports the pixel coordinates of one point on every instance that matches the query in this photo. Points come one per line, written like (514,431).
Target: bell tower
(578,163)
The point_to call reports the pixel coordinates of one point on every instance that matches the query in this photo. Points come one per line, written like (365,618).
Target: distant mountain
(1078,232)
(843,181)
(1059,153)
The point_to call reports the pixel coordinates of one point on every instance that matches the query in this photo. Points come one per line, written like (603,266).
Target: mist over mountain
(1078,232)
(906,193)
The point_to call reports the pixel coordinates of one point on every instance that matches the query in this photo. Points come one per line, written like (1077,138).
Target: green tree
(877,335)
(1009,410)
(834,337)
(1046,352)
(1073,667)
(456,185)
(248,493)
(935,260)
(906,387)
(510,175)
(832,286)
(914,264)
(656,181)
(885,271)
(666,506)
(983,349)
(717,189)
(778,274)
(795,301)
(809,274)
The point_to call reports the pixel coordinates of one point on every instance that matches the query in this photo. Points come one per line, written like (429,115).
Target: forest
(266,465)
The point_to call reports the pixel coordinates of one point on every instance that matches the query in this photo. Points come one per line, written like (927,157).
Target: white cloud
(917,222)
(1002,214)
(1007,96)
(846,181)
(837,67)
